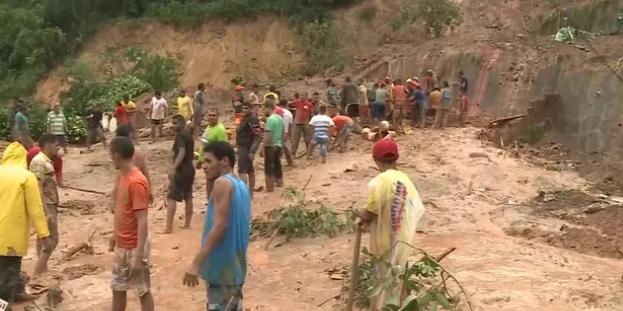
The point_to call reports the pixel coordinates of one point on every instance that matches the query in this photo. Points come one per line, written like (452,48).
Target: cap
(239,88)
(385,150)
(279,111)
(409,80)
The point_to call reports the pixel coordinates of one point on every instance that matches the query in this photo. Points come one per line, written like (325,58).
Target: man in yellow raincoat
(392,213)
(21,206)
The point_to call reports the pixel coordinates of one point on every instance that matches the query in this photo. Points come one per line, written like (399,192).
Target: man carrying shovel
(391,214)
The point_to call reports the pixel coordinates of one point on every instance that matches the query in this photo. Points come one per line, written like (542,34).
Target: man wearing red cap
(392,212)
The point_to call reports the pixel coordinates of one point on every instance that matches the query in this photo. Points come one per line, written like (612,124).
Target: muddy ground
(516,250)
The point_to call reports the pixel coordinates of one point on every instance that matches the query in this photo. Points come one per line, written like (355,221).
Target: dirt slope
(215,52)
(501,272)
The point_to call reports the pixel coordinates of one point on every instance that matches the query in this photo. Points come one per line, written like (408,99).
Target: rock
(520,35)
(55,296)
(479,155)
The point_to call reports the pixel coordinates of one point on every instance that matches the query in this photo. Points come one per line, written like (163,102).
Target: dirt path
(470,200)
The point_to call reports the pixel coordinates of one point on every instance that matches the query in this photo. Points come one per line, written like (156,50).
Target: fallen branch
(329,299)
(276,230)
(469,303)
(83,190)
(86,245)
(272,237)
(307,183)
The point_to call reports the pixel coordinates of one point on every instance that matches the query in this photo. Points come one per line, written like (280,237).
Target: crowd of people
(268,123)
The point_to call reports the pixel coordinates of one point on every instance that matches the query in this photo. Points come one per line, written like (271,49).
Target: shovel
(355,267)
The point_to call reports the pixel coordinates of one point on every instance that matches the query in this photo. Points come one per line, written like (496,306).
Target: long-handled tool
(83,190)
(355,268)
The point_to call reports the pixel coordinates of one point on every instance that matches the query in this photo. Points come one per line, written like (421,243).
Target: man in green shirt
(21,129)
(273,143)
(214,132)
(57,125)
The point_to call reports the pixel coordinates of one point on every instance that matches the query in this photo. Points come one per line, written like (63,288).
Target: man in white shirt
(322,124)
(254,98)
(363,102)
(157,111)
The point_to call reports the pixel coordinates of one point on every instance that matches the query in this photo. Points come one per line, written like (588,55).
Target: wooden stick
(274,234)
(307,183)
(272,237)
(87,245)
(329,299)
(354,269)
(83,190)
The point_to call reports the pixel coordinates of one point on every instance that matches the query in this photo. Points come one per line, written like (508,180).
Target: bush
(5,129)
(367,14)
(438,14)
(298,219)
(322,47)
(161,73)
(406,16)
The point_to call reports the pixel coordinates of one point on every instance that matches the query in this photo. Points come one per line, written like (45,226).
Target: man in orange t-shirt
(131,263)
(343,128)
(399,100)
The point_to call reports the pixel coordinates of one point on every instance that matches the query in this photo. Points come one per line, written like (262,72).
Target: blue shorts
(378,111)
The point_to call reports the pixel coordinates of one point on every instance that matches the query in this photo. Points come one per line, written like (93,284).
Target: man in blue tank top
(222,259)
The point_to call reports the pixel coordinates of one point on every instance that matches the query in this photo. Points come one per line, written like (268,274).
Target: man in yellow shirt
(130,108)
(272,90)
(21,206)
(184,105)
(435,101)
(392,212)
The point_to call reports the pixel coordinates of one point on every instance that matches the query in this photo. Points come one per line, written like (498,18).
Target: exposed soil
(591,226)
(470,201)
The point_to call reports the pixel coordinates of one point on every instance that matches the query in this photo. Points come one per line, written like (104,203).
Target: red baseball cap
(385,149)
(279,111)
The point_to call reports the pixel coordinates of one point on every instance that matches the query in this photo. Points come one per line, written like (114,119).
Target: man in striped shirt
(321,124)
(57,125)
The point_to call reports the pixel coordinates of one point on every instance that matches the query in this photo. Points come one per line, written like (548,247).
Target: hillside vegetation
(36,35)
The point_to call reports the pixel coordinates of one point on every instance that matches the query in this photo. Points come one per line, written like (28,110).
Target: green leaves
(421,283)
(322,47)
(438,14)
(298,219)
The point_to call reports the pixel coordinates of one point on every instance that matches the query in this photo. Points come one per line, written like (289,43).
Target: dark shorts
(245,164)
(181,187)
(95,134)
(10,281)
(224,297)
(157,122)
(62,139)
(272,162)
(378,111)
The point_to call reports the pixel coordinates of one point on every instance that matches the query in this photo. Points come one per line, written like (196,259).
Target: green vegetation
(439,14)
(407,15)
(367,14)
(532,135)
(299,218)
(426,285)
(323,47)
(36,35)
(141,72)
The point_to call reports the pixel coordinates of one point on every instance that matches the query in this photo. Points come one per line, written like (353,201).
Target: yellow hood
(15,154)
(21,203)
